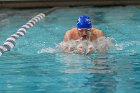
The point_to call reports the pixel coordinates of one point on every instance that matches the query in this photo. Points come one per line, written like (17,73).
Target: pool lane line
(11,41)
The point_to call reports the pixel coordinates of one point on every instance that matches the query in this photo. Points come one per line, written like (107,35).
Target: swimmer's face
(84,31)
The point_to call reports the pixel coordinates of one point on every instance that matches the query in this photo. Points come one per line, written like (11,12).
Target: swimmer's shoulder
(71,31)
(74,29)
(97,31)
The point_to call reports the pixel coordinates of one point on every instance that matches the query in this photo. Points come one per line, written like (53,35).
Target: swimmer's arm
(100,33)
(97,32)
(67,36)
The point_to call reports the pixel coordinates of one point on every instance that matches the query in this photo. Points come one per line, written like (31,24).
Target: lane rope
(11,41)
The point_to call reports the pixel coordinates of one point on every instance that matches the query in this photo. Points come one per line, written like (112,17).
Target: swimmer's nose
(84,33)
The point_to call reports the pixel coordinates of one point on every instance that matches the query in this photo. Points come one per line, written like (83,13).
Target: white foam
(130,47)
(100,45)
(119,47)
(0,53)
(104,43)
(47,50)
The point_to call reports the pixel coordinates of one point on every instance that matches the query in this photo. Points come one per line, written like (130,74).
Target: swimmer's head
(84,22)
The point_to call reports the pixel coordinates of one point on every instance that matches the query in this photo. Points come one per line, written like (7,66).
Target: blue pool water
(25,69)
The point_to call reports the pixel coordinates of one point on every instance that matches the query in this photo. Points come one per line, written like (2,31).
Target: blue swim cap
(84,22)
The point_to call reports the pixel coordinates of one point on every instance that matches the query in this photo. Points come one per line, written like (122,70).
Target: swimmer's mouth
(84,37)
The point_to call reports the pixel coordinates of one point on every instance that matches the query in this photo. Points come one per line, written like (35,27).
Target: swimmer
(83,31)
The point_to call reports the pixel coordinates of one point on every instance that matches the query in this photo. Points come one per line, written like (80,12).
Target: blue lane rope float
(11,41)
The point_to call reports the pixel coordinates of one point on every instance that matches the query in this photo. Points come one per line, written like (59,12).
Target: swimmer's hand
(90,49)
(80,49)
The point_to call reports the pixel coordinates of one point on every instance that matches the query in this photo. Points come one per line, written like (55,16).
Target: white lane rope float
(11,41)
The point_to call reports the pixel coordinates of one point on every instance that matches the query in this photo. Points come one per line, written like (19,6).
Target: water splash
(128,47)
(47,50)
(119,47)
(100,45)
(104,43)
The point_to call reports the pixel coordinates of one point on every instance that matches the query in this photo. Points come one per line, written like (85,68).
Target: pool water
(34,66)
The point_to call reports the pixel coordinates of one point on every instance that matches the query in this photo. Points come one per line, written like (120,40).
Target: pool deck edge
(43,4)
